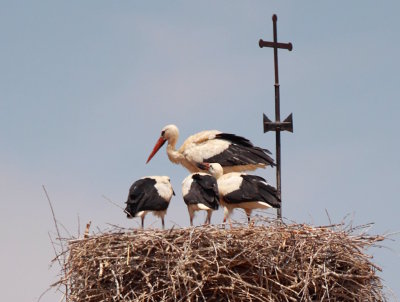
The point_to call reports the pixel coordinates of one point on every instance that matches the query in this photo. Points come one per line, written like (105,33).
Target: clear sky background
(86,86)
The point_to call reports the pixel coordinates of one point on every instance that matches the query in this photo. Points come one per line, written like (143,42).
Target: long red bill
(161,141)
(203,166)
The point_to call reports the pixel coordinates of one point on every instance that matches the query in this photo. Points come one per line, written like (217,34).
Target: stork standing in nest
(149,194)
(240,190)
(234,153)
(200,192)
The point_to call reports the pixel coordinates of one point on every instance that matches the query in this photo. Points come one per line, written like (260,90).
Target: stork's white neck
(218,174)
(173,155)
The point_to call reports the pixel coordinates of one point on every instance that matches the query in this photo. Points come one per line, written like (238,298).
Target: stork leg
(191,215)
(248,213)
(208,218)
(162,222)
(230,222)
(227,215)
(142,221)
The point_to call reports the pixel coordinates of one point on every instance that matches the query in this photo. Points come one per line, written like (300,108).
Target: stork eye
(162,133)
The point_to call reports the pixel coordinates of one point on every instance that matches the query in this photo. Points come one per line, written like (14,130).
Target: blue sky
(85,88)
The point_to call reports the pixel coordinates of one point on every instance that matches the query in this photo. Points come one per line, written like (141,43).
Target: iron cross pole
(277,126)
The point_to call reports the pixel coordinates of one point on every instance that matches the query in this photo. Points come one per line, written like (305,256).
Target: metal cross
(277,126)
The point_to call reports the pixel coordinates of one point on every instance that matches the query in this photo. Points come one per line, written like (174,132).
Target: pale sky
(86,86)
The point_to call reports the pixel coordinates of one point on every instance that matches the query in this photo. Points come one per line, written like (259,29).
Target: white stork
(234,153)
(200,192)
(149,194)
(240,190)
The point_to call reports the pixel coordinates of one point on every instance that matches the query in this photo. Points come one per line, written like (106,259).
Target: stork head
(169,133)
(215,169)
(129,210)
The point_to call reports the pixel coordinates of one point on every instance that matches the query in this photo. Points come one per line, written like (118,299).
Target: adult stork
(232,152)
(149,194)
(200,192)
(240,190)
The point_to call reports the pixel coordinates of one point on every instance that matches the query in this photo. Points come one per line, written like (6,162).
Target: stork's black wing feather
(240,152)
(204,189)
(254,188)
(143,196)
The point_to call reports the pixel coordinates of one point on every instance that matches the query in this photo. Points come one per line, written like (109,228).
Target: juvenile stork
(149,194)
(232,152)
(200,192)
(240,190)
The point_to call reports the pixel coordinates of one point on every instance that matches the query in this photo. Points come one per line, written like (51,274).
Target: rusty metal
(263,43)
(277,126)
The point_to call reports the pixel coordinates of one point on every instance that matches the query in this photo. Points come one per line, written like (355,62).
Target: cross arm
(287,46)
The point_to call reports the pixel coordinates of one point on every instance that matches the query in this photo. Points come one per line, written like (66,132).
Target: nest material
(269,262)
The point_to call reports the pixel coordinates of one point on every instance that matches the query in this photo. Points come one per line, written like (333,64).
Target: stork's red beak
(203,166)
(161,141)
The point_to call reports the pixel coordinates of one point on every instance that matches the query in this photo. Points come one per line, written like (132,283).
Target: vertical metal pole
(277,118)
(278,126)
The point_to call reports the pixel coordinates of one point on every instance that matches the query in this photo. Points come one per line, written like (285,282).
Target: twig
(59,238)
(114,203)
(79,226)
(54,216)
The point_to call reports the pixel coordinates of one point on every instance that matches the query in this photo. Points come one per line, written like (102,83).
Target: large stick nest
(268,262)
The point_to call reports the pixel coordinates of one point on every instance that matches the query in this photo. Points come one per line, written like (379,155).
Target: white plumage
(240,190)
(234,153)
(163,187)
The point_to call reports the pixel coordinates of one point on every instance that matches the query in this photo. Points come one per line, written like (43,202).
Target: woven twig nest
(267,262)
